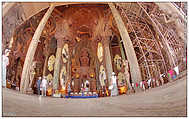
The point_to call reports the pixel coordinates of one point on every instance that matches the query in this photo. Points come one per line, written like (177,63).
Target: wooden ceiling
(82,18)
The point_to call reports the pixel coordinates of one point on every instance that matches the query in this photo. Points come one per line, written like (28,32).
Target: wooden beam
(7,7)
(57,65)
(108,59)
(58,12)
(31,50)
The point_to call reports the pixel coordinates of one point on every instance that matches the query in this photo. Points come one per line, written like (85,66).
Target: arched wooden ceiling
(32,8)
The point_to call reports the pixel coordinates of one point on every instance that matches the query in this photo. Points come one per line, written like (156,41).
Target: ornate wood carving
(50,26)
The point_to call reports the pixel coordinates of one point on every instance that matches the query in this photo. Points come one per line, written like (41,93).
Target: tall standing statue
(5,64)
(32,74)
(127,75)
(114,89)
(18,74)
(63,77)
(102,77)
(117,62)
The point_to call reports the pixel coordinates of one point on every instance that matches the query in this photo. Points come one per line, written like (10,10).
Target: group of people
(42,85)
(150,83)
(155,82)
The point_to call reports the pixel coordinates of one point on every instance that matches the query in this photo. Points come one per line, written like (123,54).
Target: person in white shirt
(5,64)
(149,83)
(44,86)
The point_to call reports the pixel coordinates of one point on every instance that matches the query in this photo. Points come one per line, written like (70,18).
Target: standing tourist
(5,64)
(44,86)
(38,85)
(149,83)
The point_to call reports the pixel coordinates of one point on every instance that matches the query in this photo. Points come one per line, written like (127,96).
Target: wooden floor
(167,100)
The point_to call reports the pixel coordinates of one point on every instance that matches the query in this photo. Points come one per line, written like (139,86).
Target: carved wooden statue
(102,76)
(32,74)
(127,75)
(63,77)
(84,58)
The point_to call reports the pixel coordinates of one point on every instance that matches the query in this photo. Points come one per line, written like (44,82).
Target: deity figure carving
(84,58)
(102,76)
(63,77)
(117,62)
(18,74)
(32,73)
(127,75)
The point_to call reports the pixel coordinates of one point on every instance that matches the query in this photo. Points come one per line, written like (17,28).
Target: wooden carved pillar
(68,68)
(57,64)
(31,50)
(128,46)
(46,53)
(107,56)
(45,66)
(121,49)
